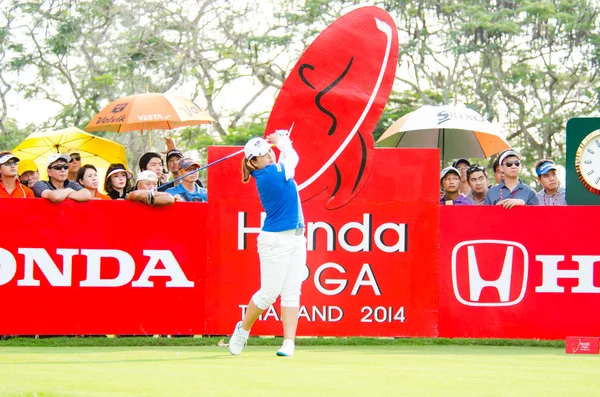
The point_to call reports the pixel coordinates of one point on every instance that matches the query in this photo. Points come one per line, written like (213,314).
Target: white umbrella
(457,132)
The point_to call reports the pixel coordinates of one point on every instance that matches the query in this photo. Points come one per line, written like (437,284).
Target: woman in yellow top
(87,176)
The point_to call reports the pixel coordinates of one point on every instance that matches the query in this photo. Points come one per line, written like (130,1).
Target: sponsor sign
(84,268)
(582,345)
(372,263)
(517,274)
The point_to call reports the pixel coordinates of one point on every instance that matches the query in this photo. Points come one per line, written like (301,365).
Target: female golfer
(281,243)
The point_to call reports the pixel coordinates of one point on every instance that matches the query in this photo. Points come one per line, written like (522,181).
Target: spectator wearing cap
(145,191)
(28,173)
(58,188)
(74,165)
(118,181)
(552,193)
(188,190)
(462,165)
(478,181)
(87,176)
(10,185)
(511,191)
(173,158)
(450,181)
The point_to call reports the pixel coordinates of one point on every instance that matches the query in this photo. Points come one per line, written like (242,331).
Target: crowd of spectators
(464,183)
(70,178)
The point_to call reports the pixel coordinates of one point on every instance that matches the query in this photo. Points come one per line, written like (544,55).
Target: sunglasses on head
(474,168)
(63,167)
(75,157)
(11,163)
(516,163)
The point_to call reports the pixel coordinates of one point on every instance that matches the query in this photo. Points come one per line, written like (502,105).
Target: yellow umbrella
(94,150)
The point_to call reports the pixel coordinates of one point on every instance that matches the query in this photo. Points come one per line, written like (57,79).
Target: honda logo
(500,266)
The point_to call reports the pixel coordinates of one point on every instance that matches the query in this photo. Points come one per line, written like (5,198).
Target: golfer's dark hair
(108,186)
(81,172)
(247,169)
(145,159)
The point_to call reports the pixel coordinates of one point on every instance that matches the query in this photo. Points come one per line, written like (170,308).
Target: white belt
(295,232)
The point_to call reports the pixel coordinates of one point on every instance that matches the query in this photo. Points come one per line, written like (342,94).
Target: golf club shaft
(202,168)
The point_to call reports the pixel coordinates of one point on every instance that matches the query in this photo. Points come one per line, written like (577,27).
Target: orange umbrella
(148,111)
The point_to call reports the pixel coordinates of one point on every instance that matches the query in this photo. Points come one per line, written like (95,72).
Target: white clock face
(589,160)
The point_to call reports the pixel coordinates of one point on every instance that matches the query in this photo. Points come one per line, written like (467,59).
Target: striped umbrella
(457,132)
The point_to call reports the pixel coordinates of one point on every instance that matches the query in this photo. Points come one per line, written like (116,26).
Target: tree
(530,65)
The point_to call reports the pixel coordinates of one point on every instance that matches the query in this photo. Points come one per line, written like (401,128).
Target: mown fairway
(314,371)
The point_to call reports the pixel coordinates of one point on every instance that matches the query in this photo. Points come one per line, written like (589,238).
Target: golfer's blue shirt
(279,197)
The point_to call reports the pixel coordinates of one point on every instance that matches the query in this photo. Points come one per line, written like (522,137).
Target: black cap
(457,162)
(174,152)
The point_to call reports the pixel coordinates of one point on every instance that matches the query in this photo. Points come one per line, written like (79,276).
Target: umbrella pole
(149,140)
(441,144)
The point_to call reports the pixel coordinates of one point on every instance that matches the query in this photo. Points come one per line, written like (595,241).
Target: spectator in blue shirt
(511,191)
(451,180)
(187,189)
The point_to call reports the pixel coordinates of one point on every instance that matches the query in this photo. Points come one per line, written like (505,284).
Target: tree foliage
(530,65)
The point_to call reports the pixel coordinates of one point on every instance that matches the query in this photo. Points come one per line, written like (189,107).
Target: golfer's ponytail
(247,169)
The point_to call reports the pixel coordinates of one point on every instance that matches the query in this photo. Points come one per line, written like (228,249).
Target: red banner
(126,268)
(528,272)
(102,267)
(371,264)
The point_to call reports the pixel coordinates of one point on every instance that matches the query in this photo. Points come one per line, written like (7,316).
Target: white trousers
(282,268)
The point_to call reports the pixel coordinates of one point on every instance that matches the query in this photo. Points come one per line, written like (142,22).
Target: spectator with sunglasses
(552,193)
(74,165)
(511,191)
(10,185)
(58,188)
(478,181)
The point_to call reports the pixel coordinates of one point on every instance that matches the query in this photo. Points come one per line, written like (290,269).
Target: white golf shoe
(238,340)
(287,348)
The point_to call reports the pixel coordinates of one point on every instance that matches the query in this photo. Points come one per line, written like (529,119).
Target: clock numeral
(597,143)
(590,151)
(591,172)
(587,162)
(597,180)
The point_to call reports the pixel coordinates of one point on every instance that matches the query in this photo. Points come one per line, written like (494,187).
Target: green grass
(339,370)
(257,341)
